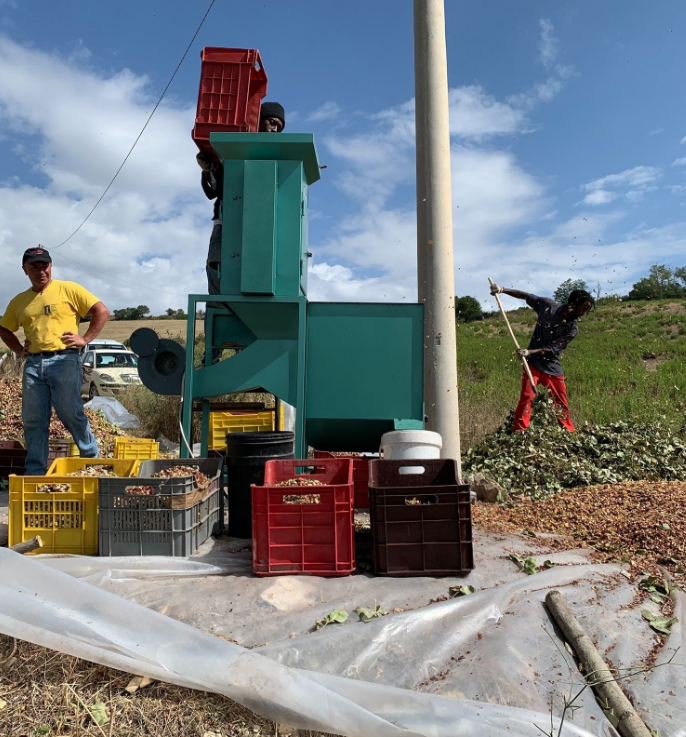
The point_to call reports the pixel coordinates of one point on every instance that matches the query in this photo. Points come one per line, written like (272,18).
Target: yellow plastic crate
(122,467)
(223,422)
(57,447)
(66,521)
(145,449)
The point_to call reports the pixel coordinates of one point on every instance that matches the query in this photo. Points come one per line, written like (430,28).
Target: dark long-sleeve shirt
(212,182)
(551,332)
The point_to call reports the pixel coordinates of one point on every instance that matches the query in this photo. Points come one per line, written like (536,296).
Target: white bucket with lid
(406,444)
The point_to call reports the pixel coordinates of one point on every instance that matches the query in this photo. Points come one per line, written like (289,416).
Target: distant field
(121,329)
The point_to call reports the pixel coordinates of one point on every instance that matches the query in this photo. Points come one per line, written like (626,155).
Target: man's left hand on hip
(73,340)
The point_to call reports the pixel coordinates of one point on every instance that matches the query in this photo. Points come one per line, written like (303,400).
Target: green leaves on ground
(546,459)
(660,624)
(461,591)
(366,615)
(528,565)
(658,588)
(99,714)
(337,616)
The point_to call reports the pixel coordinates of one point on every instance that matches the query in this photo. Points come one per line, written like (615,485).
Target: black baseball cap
(34,255)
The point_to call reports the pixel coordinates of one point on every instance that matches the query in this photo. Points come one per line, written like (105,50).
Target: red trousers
(558,391)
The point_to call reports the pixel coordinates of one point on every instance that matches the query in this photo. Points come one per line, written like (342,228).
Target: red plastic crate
(421,521)
(232,85)
(12,458)
(360,476)
(315,539)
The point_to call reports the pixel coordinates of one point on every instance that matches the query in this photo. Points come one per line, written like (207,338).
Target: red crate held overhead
(232,85)
(360,476)
(304,529)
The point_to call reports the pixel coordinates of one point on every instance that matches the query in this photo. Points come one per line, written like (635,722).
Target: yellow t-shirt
(46,315)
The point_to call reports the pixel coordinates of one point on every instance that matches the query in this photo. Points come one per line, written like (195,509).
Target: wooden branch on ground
(28,546)
(597,674)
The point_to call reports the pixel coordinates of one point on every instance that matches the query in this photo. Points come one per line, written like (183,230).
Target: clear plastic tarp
(481,665)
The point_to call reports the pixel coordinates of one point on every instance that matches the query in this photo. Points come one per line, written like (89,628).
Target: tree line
(142,312)
(661,283)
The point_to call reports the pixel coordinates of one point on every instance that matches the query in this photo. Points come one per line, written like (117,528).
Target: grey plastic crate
(211,467)
(146,525)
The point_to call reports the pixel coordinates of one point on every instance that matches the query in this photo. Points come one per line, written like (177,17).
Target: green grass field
(628,362)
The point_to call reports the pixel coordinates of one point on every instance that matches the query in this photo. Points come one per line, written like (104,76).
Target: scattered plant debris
(528,565)
(95,470)
(53,489)
(366,615)
(546,458)
(337,616)
(622,521)
(660,624)
(12,428)
(139,490)
(461,591)
(299,481)
(302,499)
(174,472)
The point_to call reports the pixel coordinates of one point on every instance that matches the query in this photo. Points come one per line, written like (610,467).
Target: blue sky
(568,140)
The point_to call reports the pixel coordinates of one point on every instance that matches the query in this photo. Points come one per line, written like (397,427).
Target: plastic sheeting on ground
(483,665)
(115,412)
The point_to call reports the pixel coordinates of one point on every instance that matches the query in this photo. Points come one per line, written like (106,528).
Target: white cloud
(683,140)
(548,44)
(636,195)
(679,162)
(327,111)
(599,197)
(638,177)
(82,125)
(477,115)
(656,132)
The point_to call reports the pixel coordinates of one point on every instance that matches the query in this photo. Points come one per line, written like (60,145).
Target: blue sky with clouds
(568,140)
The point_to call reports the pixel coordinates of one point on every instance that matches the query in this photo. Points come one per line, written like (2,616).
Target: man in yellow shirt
(50,313)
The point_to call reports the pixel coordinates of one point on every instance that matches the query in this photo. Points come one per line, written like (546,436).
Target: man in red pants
(555,329)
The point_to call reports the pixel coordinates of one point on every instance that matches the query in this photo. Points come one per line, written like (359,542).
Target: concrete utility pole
(436,281)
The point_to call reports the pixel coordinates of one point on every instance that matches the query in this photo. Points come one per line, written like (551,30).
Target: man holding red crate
(272,120)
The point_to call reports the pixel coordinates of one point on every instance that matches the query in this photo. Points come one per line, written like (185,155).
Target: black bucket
(246,455)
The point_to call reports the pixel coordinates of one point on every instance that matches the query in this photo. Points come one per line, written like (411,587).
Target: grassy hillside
(628,362)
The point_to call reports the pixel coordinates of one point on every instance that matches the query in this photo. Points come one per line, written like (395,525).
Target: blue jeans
(49,382)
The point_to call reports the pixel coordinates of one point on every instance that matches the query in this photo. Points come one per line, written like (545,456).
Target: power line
(164,92)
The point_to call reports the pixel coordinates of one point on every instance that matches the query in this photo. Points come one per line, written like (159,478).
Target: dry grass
(121,329)
(47,694)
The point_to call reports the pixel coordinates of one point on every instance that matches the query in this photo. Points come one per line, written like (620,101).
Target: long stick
(514,340)
(598,675)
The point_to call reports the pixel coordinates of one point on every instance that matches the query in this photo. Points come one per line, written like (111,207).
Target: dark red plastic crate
(432,538)
(360,476)
(315,539)
(232,85)
(12,458)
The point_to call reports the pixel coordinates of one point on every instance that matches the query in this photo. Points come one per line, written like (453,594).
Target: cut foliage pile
(639,522)
(11,427)
(545,458)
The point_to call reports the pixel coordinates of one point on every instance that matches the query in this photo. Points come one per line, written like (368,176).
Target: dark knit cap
(273,110)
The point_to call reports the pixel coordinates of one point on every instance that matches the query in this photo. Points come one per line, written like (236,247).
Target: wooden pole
(514,340)
(598,675)
(28,546)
